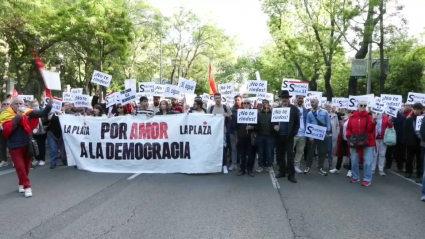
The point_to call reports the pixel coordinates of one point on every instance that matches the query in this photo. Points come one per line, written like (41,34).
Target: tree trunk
(328,87)
(312,84)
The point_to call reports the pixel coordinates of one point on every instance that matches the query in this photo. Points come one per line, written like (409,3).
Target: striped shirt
(144,112)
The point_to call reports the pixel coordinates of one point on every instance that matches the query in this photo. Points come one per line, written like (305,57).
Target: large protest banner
(137,144)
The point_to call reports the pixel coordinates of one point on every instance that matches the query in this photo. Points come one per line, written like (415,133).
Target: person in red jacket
(361,122)
(382,123)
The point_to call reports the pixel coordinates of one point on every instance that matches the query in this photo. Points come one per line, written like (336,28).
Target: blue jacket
(322,116)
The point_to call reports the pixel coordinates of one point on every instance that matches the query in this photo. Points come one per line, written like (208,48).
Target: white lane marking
(133,176)
(7,171)
(275,183)
(408,179)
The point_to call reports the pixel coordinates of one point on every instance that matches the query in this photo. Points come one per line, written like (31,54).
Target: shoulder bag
(359,141)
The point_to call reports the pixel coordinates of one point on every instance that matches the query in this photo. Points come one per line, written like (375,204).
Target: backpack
(224,107)
(390,137)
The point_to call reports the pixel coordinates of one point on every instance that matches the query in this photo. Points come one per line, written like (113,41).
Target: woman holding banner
(164,108)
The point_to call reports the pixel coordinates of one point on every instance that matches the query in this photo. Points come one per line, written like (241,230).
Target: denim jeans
(265,149)
(329,151)
(54,149)
(367,163)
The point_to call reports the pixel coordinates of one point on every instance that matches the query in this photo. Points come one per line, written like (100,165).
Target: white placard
(27,97)
(205,98)
(77,91)
(378,108)
(171,91)
(159,90)
(130,83)
(127,96)
(147,87)
(247,116)
(298,88)
(67,97)
(392,100)
(150,97)
(419,122)
(257,87)
(307,102)
(56,106)
(111,100)
(161,144)
(51,80)
(315,131)
(101,78)
(226,89)
(186,86)
(353,100)
(281,114)
(82,101)
(315,93)
(323,101)
(285,83)
(391,111)
(413,98)
(268,96)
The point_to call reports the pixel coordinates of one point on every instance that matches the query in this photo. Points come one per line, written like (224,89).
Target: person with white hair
(331,149)
(18,122)
(361,140)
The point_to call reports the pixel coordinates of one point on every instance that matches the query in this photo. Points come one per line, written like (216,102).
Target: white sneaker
(259,170)
(233,167)
(21,189)
(381,173)
(349,174)
(334,171)
(269,169)
(35,163)
(423,198)
(3,164)
(298,170)
(28,192)
(225,169)
(41,163)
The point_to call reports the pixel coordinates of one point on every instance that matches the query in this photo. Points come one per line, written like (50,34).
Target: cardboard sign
(27,97)
(56,106)
(281,114)
(353,100)
(419,122)
(101,78)
(172,91)
(378,108)
(130,83)
(315,93)
(247,116)
(159,90)
(257,87)
(51,80)
(82,101)
(111,100)
(391,111)
(286,82)
(298,88)
(315,131)
(413,98)
(127,96)
(150,97)
(307,102)
(226,89)
(392,100)
(147,87)
(77,91)
(341,103)
(186,86)
(67,97)
(268,96)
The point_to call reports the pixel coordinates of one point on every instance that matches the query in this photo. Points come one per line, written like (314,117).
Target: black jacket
(294,121)
(242,132)
(264,124)
(398,126)
(410,138)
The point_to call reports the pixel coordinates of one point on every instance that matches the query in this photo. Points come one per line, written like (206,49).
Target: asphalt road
(69,203)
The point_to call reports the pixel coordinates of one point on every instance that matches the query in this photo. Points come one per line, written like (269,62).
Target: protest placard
(67,97)
(257,87)
(130,83)
(171,91)
(391,111)
(353,100)
(315,131)
(186,86)
(51,79)
(285,83)
(247,116)
(315,93)
(127,96)
(56,106)
(82,101)
(27,97)
(159,90)
(419,122)
(298,88)
(392,100)
(413,97)
(110,99)
(378,108)
(226,89)
(147,87)
(307,102)
(281,114)
(77,91)
(101,78)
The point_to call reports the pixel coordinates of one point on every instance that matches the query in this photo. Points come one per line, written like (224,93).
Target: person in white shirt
(155,106)
(197,107)
(299,139)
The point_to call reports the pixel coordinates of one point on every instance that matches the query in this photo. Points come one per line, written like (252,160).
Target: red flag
(213,87)
(15,94)
(41,67)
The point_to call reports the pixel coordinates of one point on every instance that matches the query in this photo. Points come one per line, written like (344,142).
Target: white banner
(281,114)
(101,78)
(133,144)
(315,131)
(419,120)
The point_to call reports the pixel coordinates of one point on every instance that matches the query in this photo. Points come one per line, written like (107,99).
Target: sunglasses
(362,105)
(120,107)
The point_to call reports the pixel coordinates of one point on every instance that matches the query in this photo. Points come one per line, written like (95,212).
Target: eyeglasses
(6,104)
(362,106)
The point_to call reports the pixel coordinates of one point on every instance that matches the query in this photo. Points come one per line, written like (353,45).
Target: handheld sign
(353,100)
(226,89)
(247,116)
(392,100)
(27,97)
(315,93)
(378,108)
(56,106)
(159,90)
(298,88)
(82,101)
(257,87)
(101,78)
(127,96)
(281,114)
(130,83)
(51,80)
(307,102)
(147,87)
(415,98)
(315,131)
(186,86)
(419,122)
(172,91)
(391,111)
(285,83)
(110,100)
(77,91)
(67,97)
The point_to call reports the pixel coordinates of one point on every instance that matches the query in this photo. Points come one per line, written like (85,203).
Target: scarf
(6,120)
